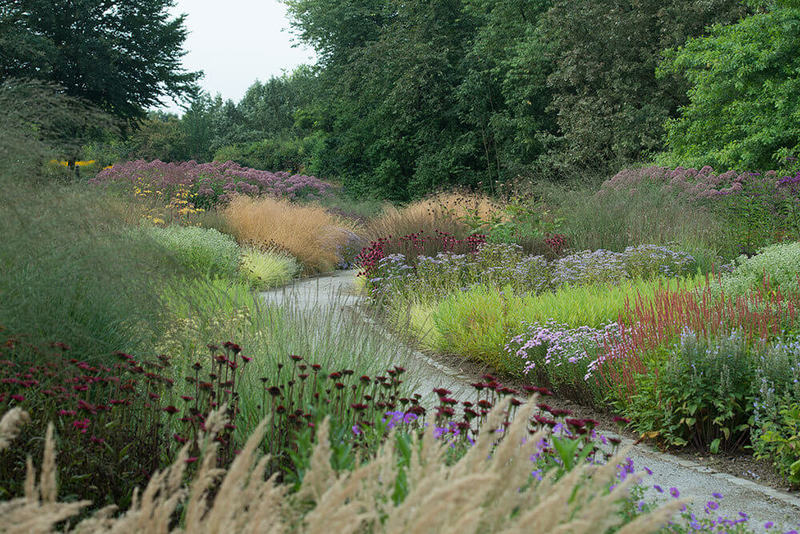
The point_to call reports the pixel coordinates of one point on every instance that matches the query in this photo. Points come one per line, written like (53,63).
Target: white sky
(236,42)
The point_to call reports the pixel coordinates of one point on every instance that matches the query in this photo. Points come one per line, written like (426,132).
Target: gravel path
(695,481)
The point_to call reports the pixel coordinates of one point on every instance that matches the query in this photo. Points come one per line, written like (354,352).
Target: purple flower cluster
(213,182)
(606,267)
(552,345)
(502,265)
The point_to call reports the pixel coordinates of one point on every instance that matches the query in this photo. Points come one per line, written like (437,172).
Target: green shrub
(272,154)
(781,442)
(776,428)
(203,251)
(701,393)
(265,270)
(774,267)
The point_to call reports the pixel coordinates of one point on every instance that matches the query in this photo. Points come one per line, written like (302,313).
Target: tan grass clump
(479,493)
(446,212)
(309,233)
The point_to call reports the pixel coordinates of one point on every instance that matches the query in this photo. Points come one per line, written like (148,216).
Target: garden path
(695,481)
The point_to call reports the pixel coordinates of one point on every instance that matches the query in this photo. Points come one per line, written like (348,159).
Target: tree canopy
(122,56)
(744,102)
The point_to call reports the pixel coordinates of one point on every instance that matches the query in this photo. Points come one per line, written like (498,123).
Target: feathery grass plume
(448,212)
(309,233)
(10,426)
(38,511)
(489,489)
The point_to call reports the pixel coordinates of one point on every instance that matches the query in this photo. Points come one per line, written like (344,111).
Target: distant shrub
(775,267)
(204,251)
(265,270)
(273,154)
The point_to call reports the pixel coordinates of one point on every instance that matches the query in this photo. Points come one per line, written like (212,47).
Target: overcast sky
(236,42)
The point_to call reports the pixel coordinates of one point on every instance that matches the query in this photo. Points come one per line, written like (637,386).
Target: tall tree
(123,56)
(744,108)
(610,106)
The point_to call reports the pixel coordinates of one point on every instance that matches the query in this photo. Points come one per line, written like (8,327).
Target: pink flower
(81,424)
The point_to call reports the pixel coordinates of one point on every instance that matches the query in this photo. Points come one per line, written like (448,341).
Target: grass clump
(265,270)
(445,212)
(74,273)
(203,251)
(309,233)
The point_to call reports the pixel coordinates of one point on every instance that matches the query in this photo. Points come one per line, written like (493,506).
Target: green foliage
(743,100)
(122,58)
(265,270)
(73,273)
(776,428)
(270,154)
(610,107)
(201,251)
(782,443)
(775,267)
(701,395)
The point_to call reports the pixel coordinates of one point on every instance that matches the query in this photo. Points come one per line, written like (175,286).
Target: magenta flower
(81,424)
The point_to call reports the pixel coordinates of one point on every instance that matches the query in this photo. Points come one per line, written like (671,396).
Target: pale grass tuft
(309,233)
(10,426)
(489,489)
(445,211)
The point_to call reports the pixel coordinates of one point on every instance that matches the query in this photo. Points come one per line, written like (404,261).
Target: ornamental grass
(307,232)
(489,489)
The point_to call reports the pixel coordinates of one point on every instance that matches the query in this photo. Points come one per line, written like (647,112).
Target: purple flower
(658,488)
(674,492)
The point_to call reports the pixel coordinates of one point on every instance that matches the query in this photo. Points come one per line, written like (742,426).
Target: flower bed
(212,183)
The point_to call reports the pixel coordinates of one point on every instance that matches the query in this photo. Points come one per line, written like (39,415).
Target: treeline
(410,96)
